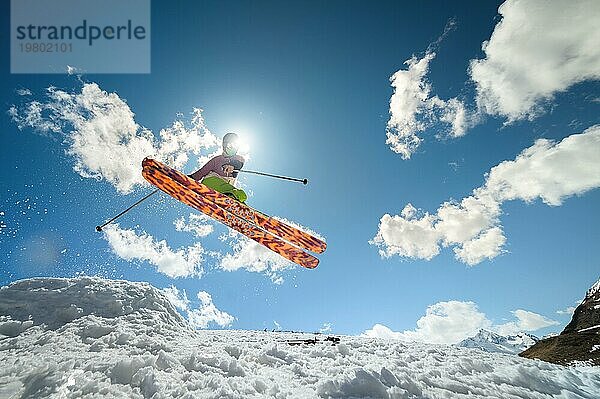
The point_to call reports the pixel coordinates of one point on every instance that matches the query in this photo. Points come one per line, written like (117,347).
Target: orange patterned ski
(272,225)
(195,200)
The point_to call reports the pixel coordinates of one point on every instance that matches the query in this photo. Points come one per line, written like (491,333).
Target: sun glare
(243,141)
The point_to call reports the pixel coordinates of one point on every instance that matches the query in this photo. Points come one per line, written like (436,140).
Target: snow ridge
(595,289)
(54,302)
(87,337)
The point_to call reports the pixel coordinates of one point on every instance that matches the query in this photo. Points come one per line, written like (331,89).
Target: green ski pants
(220,185)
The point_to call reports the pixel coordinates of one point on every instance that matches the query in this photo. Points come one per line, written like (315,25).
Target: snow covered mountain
(491,342)
(89,337)
(580,340)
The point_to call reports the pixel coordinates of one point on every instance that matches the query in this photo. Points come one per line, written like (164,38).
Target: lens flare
(243,141)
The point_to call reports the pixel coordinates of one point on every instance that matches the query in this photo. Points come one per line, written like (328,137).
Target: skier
(221,172)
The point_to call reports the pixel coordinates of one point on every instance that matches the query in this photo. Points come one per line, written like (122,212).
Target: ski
(268,223)
(312,341)
(208,207)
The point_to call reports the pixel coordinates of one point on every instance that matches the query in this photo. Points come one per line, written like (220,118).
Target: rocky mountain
(492,342)
(579,341)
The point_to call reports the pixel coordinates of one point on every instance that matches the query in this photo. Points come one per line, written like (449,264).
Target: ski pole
(99,228)
(303,181)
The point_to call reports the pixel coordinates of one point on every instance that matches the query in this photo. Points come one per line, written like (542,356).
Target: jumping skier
(221,172)
(214,199)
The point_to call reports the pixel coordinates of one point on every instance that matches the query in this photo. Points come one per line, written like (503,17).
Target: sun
(244,139)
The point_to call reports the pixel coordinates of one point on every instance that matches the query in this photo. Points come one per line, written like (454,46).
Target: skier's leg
(216,184)
(224,187)
(240,195)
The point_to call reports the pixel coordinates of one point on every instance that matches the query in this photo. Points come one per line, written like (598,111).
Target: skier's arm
(238,164)
(203,171)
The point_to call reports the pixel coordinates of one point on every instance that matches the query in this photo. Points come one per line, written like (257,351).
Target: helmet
(230,144)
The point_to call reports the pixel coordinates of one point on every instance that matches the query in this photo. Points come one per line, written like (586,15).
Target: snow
(595,289)
(91,337)
(589,328)
(492,342)
(550,335)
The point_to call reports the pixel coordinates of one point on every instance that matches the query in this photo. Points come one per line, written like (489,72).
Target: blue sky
(308,87)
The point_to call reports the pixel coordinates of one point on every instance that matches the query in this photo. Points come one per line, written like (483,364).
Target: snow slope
(104,338)
(491,342)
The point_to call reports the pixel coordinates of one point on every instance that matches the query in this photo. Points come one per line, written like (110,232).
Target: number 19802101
(46,47)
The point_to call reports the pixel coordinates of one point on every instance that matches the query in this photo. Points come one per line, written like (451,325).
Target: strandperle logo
(87,36)
(85,31)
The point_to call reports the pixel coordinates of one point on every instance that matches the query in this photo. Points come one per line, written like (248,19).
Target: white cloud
(203,316)
(31,116)
(448,322)
(413,109)
(198,224)
(550,171)
(451,322)
(208,313)
(382,332)
(486,245)
(526,321)
(253,257)
(547,170)
(178,298)
(407,236)
(569,311)
(127,244)
(103,137)
(538,48)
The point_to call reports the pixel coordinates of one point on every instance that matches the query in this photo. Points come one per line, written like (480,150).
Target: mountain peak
(594,291)
(490,341)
